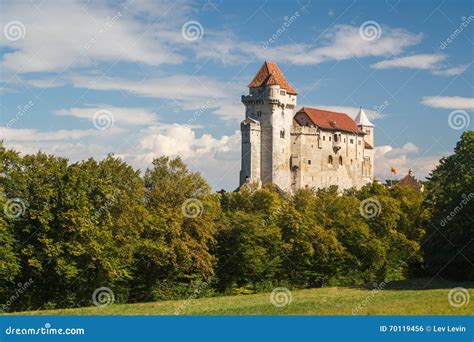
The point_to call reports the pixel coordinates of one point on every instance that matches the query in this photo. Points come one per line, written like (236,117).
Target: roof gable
(330,120)
(270,74)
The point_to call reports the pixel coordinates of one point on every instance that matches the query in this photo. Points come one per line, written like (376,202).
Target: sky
(142,79)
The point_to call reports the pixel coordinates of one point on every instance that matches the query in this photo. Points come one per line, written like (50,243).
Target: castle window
(282,134)
(324,138)
(309,161)
(335,137)
(282,92)
(352,141)
(259,114)
(329,138)
(340,160)
(330,160)
(359,142)
(344,139)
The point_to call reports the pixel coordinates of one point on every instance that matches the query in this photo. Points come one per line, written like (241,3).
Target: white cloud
(432,62)
(120,115)
(218,159)
(451,71)
(343,42)
(340,42)
(78,34)
(449,102)
(413,62)
(402,159)
(187,92)
(34,135)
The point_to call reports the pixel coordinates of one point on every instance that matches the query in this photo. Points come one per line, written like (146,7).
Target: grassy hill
(398,298)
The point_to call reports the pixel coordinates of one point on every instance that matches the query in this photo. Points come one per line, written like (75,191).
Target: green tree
(179,233)
(449,241)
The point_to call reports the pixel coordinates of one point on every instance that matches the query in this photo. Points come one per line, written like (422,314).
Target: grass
(397,298)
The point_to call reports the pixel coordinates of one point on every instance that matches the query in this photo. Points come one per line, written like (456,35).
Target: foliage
(164,234)
(449,241)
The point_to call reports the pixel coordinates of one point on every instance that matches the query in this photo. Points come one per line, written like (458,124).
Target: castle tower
(266,140)
(368,128)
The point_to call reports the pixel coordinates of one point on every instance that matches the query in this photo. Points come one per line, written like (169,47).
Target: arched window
(335,137)
(330,160)
(340,160)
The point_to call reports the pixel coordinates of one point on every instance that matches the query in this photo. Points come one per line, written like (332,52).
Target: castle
(309,148)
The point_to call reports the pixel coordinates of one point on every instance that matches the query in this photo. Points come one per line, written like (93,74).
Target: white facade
(312,148)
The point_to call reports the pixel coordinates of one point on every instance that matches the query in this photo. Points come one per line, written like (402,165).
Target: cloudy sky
(145,78)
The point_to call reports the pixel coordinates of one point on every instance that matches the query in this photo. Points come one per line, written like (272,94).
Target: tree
(179,233)
(449,242)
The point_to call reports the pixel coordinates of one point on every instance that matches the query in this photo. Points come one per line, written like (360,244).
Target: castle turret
(266,141)
(368,128)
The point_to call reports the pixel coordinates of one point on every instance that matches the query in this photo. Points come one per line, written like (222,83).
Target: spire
(270,74)
(362,120)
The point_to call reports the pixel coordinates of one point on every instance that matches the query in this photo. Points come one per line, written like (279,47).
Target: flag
(393,170)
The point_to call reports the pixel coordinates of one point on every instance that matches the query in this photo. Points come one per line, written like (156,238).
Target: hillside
(399,298)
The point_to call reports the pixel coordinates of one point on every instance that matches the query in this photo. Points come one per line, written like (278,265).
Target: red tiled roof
(367,145)
(409,181)
(270,74)
(331,120)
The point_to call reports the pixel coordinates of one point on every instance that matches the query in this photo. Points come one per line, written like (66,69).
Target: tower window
(282,134)
(330,160)
(335,137)
(324,138)
(259,114)
(340,160)
(329,138)
(352,141)
(309,161)
(282,92)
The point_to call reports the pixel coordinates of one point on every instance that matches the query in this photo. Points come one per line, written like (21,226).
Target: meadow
(397,298)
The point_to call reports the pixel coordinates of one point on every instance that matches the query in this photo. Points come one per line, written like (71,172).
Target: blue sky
(145,78)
